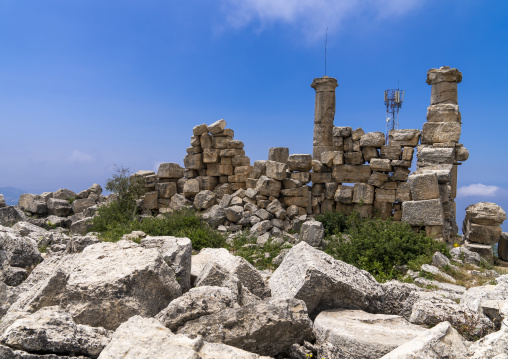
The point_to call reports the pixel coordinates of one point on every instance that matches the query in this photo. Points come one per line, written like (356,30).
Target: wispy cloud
(80,157)
(477,189)
(312,16)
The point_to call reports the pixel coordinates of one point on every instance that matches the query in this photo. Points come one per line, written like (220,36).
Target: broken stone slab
(474,297)
(440,342)
(199,129)
(372,139)
(404,137)
(217,127)
(440,132)
(486,213)
(243,270)
(147,338)
(197,302)
(358,334)
(424,186)
(445,112)
(312,232)
(53,331)
(322,282)
(443,172)
(254,326)
(428,155)
(464,254)
(427,213)
(204,200)
(268,187)
(176,252)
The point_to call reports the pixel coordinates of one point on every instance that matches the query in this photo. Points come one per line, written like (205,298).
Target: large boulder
(248,276)
(440,342)
(10,215)
(146,338)
(312,232)
(59,207)
(357,334)
(197,302)
(267,328)
(52,331)
(18,251)
(177,254)
(104,285)
(323,283)
(485,213)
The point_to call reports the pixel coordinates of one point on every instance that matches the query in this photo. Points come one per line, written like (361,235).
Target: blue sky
(85,85)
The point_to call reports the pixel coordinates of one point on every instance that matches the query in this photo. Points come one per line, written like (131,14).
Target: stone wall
(349,169)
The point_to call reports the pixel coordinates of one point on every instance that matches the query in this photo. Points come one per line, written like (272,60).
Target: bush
(120,217)
(379,246)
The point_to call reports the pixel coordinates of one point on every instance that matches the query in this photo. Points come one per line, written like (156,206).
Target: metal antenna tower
(393,103)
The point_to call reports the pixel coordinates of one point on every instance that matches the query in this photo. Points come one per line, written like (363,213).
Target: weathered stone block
(278,154)
(191,187)
(363,193)
(194,162)
(480,233)
(351,173)
(237,161)
(217,127)
(400,174)
(385,195)
(461,154)
(344,194)
(391,152)
(342,131)
(210,155)
(312,232)
(401,163)
(380,165)
(443,74)
(353,158)
(205,140)
(372,139)
(268,187)
(502,248)
(484,250)
(445,112)
(220,142)
(276,170)
(404,137)
(323,177)
(444,92)
(407,154)
(486,213)
(377,179)
(440,132)
(357,134)
(424,186)
(226,170)
(200,129)
(235,144)
(426,213)
(403,193)
(166,189)
(296,192)
(369,153)
(300,162)
(303,177)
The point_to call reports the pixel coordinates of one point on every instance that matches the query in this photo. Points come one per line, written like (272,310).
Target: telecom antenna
(393,103)
(326,40)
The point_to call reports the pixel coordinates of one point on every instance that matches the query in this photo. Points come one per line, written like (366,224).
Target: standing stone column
(324,114)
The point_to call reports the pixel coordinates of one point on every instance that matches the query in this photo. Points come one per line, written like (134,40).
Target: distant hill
(11,195)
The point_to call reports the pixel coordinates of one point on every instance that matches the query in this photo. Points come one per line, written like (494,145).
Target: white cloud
(80,157)
(477,189)
(312,16)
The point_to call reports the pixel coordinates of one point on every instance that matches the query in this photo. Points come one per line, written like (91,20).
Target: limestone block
(213,169)
(486,213)
(353,158)
(338,143)
(358,334)
(231,152)
(303,177)
(484,250)
(445,191)
(373,139)
(383,209)
(391,152)
(312,232)
(242,173)
(227,132)
(195,141)
(424,186)
(240,161)
(299,162)
(178,201)
(205,141)
(278,154)
(404,137)
(368,153)
(220,142)
(481,233)
(445,112)
(407,154)
(318,166)
(302,201)
(443,74)
(385,195)
(40,207)
(226,170)
(400,174)
(443,172)
(401,163)
(259,169)
(390,184)
(276,170)
(58,207)
(295,192)
(381,165)
(327,158)
(427,213)
(194,162)
(444,92)
(403,193)
(440,132)
(322,135)
(344,194)
(26,199)
(428,155)
(210,155)
(322,282)
(351,173)
(66,194)
(330,189)
(150,200)
(323,177)
(235,144)
(357,134)
(204,199)
(348,144)
(191,188)
(377,179)
(268,187)
(200,129)
(342,131)
(194,149)
(217,127)
(502,248)
(363,193)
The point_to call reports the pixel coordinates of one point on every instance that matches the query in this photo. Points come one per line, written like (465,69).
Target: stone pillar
(324,114)
(440,150)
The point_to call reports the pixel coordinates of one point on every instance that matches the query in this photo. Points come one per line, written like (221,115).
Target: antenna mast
(393,103)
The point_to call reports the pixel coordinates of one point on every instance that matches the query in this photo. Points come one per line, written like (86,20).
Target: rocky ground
(83,298)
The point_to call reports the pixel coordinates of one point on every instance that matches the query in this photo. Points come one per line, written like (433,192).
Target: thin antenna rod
(326,41)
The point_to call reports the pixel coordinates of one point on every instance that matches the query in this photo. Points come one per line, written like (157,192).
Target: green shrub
(376,245)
